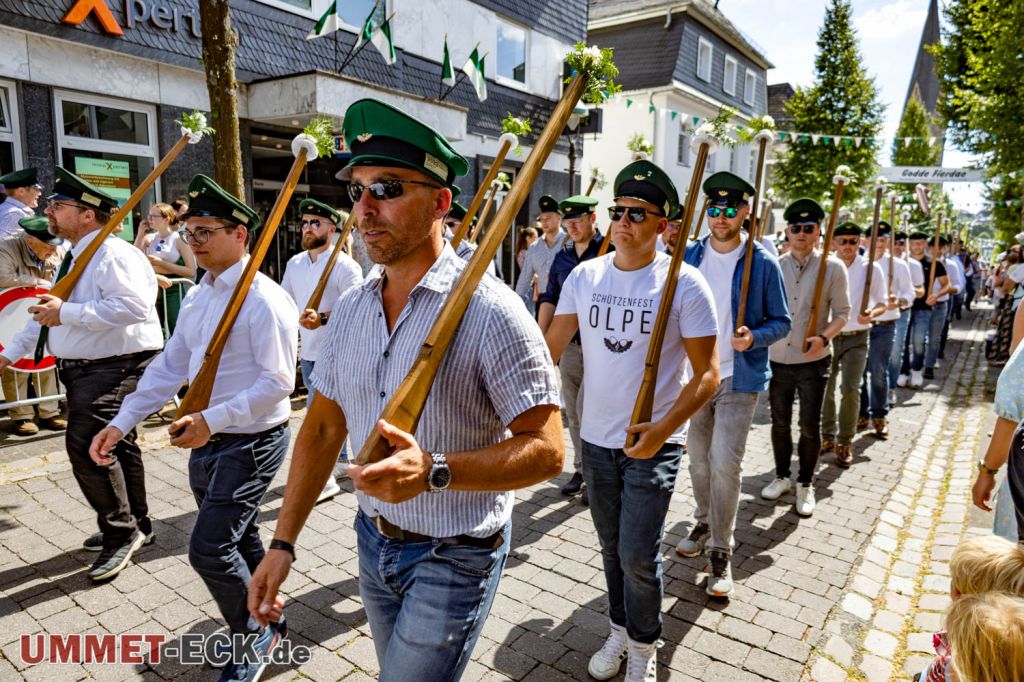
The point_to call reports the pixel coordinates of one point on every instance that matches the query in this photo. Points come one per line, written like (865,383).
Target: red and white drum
(14,305)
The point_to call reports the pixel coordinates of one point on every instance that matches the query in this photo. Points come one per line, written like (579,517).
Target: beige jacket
(18,265)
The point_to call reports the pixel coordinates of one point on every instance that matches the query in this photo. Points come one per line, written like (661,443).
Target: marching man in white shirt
(103,336)
(319,224)
(240,441)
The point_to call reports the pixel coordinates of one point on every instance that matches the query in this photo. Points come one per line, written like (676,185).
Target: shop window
(511,52)
(10,139)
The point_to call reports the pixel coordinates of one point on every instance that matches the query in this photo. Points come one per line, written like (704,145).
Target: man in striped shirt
(433,525)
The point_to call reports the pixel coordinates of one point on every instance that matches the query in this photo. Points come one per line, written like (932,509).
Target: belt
(130,358)
(852,333)
(390,530)
(225,437)
(883,323)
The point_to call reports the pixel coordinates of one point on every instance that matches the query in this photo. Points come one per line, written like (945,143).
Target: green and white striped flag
(377,18)
(381,39)
(329,23)
(447,72)
(474,69)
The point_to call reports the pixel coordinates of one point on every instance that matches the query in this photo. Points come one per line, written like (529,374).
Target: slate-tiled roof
(645,51)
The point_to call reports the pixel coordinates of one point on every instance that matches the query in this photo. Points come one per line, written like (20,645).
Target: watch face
(440,477)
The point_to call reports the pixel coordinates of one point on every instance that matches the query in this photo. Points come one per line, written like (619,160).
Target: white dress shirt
(901,284)
(858,272)
(256,372)
(11,211)
(955,272)
(111,311)
(301,275)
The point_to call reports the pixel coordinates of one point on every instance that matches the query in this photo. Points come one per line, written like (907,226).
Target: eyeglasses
(729,211)
(451,224)
(200,235)
(635,214)
(54,205)
(384,190)
(151,216)
(806,228)
(312,223)
(847,241)
(901,242)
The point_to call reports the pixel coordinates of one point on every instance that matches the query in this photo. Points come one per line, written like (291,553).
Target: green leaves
(195,122)
(518,127)
(639,144)
(322,131)
(597,64)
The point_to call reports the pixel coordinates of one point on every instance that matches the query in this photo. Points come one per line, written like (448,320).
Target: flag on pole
(474,69)
(377,19)
(447,72)
(329,23)
(381,39)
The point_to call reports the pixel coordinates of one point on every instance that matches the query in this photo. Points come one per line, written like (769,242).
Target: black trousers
(808,381)
(94,394)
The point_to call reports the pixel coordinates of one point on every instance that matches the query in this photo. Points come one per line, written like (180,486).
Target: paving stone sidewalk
(826,598)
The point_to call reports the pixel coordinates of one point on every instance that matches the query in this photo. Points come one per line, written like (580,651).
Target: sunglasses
(312,223)
(451,224)
(806,228)
(847,241)
(384,190)
(635,215)
(729,211)
(901,242)
(200,235)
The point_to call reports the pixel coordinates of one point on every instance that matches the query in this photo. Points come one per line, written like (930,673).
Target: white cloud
(901,19)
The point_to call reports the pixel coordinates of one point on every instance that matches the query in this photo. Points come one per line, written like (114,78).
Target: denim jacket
(767,314)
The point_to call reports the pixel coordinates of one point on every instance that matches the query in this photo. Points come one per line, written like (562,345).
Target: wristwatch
(284,546)
(440,475)
(323,319)
(982,469)
(824,339)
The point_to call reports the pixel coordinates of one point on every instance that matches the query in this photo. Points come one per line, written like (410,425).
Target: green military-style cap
(548,204)
(67,185)
(26,177)
(900,234)
(314,207)
(804,210)
(676,215)
(39,227)
(645,181)
(943,240)
(919,234)
(884,227)
(207,199)
(378,134)
(847,229)
(576,206)
(727,188)
(457,211)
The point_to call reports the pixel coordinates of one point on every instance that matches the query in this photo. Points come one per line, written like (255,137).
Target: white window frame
(12,134)
(504,80)
(95,145)
(703,44)
(727,87)
(684,140)
(749,87)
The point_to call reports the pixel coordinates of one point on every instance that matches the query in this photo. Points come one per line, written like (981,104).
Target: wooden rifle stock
(406,404)
(325,276)
(200,389)
(762,223)
(748,257)
(700,222)
(590,187)
(643,408)
(935,257)
(66,285)
(819,282)
(483,215)
(478,198)
(865,296)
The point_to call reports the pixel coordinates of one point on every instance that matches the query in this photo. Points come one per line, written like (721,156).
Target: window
(109,142)
(683,152)
(511,52)
(354,12)
(10,138)
(704,53)
(729,80)
(749,85)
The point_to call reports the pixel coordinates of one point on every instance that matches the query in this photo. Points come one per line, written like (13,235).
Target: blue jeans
(925,334)
(229,477)
(426,602)
(899,345)
(874,390)
(306,366)
(629,499)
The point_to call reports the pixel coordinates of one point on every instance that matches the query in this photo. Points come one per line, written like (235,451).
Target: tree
(842,101)
(219,45)
(915,124)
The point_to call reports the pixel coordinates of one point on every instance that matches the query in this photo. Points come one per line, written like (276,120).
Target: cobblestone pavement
(852,593)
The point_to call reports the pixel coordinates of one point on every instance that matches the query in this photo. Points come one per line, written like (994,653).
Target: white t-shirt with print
(718,269)
(616,310)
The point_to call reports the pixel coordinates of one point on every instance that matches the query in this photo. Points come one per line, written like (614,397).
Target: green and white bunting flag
(447,72)
(474,69)
(329,23)
(382,40)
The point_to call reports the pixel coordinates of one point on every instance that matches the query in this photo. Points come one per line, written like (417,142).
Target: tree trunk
(219,44)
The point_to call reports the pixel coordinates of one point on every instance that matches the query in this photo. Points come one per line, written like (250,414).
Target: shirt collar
(227,279)
(440,277)
(77,249)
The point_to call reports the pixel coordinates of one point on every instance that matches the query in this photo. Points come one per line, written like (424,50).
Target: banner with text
(931,174)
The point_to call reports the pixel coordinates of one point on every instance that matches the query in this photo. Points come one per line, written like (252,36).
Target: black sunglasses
(635,214)
(384,190)
(851,241)
(729,211)
(806,228)
(312,223)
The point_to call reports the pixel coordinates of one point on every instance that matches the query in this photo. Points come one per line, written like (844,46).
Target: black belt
(883,323)
(128,359)
(861,331)
(225,437)
(390,530)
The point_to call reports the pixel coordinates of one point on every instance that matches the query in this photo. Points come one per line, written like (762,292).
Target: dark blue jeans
(629,499)
(306,367)
(874,390)
(926,333)
(229,477)
(808,381)
(426,601)
(899,363)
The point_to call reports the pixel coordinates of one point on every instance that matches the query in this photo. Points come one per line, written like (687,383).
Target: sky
(889,32)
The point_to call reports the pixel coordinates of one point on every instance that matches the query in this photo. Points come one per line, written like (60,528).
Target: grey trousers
(715,443)
(570,368)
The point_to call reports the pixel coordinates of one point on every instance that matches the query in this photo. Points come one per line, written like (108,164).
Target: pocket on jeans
(472,561)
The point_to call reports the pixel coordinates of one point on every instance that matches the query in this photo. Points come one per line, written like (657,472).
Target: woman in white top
(170,256)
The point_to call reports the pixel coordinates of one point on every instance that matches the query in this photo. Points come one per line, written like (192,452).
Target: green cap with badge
(900,234)
(804,210)
(67,185)
(314,207)
(727,188)
(548,204)
(26,177)
(847,229)
(207,199)
(645,181)
(576,206)
(39,227)
(457,211)
(919,234)
(884,227)
(379,134)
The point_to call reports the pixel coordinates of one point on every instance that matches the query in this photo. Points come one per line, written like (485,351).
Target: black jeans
(94,394)
(806,380)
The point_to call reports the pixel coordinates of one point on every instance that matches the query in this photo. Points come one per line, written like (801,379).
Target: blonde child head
(985,564)
(986,636)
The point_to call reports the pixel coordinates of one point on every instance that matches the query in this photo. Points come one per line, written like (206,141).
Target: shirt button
(383,394)
(387,354)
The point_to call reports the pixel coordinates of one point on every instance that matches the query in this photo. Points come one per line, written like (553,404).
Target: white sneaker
(330,490)
(643,662)
(804,500)
(893,399)
(902,380)
(605,664)
(719,571)
(693,544)
(916,378)
(776,489)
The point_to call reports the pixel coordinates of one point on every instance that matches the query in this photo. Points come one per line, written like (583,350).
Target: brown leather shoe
(54,423)
(844,457)
(881,428)
(828,444)
(862,423)
(24,427)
